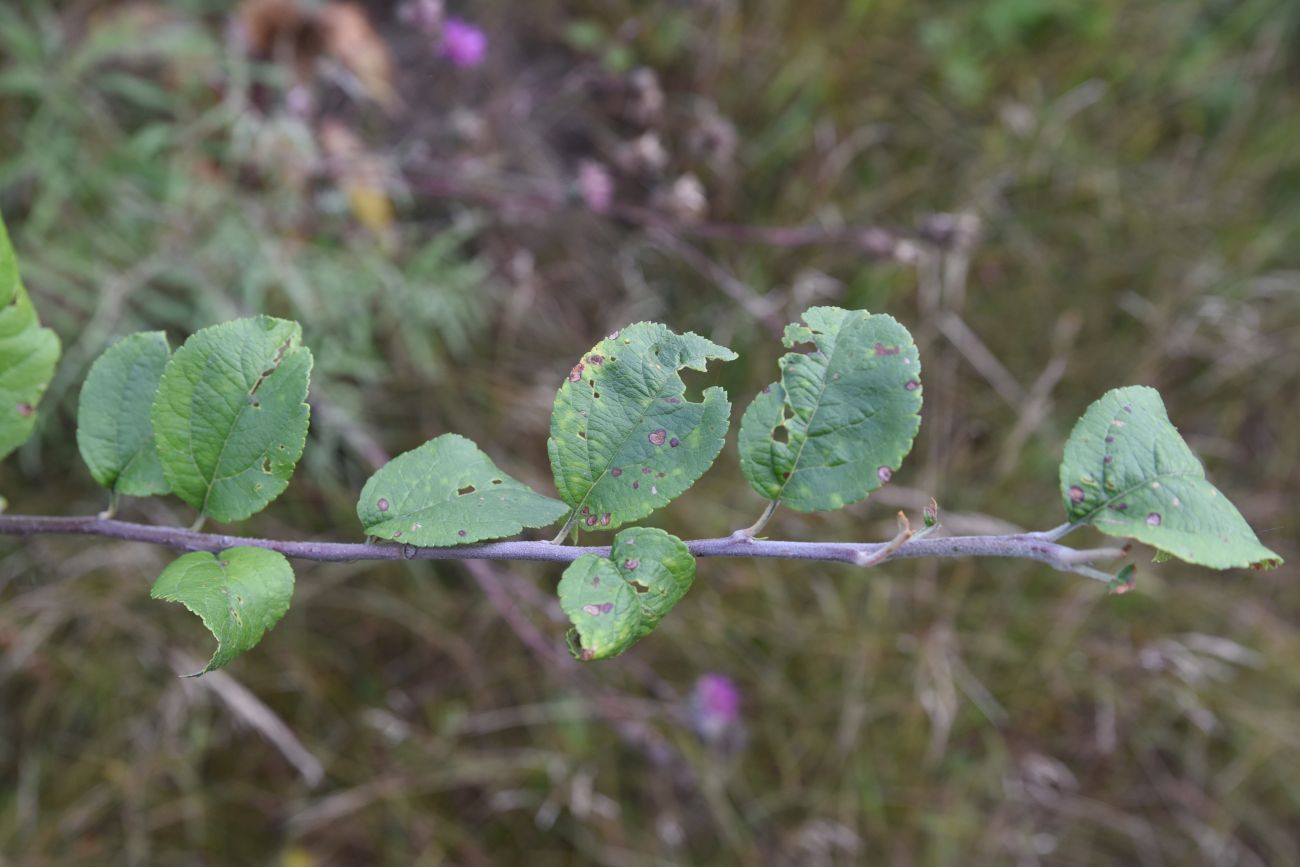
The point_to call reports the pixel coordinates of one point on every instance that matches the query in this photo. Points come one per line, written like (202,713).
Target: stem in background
(1025,546)
(758,526)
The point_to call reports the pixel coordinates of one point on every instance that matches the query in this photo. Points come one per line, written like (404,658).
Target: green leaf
(239,594)
(615,601)
(113,429)
(28,354)
(1128,472)
(448,492)
(624,438)
(842,418)
(230,416)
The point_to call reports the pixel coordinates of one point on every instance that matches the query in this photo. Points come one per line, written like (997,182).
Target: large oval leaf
(230,415)
(239,594)
(1128,472)
(28,354)
(114,433)
(615,601)
(448,492)
(624,438)
(839,423)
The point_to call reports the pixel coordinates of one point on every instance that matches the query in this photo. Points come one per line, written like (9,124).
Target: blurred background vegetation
(1098,194)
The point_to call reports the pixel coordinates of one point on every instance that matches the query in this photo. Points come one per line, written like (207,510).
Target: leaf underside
(114,433)
(842,418)
(1128,472)
(28,354)
(448,492)
(230,417)
(624,438)
(239,594)
(615,601)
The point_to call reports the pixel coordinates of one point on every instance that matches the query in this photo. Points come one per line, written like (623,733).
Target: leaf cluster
(222,422)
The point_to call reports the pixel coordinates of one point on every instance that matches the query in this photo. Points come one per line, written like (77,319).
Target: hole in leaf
(639,587)
(468,489)
(496,481)
(781,434)
(266,465)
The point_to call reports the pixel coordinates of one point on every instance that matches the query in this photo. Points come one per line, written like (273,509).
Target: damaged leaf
(230,416)
(28,354)
(1128,472)
(448,492)
(842,417)
(239,595)
(114,433)
(624,438)
(613,602)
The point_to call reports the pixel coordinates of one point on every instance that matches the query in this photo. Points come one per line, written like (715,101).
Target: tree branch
(1025,546)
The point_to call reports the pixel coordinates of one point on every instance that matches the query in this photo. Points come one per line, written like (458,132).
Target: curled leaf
(1128,472)
(615,601)
(448,492)
(624,438)
(839,423)
(239,594)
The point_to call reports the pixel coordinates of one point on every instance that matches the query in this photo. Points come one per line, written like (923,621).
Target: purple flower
(463,43)
(715,705)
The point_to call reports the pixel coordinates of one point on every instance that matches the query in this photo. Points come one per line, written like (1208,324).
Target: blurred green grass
(1134,168)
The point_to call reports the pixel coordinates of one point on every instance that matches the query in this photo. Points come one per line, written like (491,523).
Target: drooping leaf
(842,418)
(239,594)
(28,354)
(1128,472)
(615,601)
(230,417)
(624,438)
(114,433)
(448,492)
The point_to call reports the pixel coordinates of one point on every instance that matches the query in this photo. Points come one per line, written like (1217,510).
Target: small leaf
(624,438)
(615,601)
(113,429)
(843,416)
(1128,472)
(239,594)
(448,492)
(230,416)
(28,354)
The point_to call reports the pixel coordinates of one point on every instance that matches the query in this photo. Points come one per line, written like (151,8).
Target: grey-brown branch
(1041,547)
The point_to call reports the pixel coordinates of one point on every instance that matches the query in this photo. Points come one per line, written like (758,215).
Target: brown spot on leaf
(673,400)
(674,442)
(382,504)
(645,471)
(882,349)
(597,610)
(1076,494)
(1154,519)
(25,409)
(630,565)
(636,485)
(575,375)
(595,359)
(657,437)
(912,385)
(616,472)
(884,473)
(460,533)
(1109,438)
(604,520)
